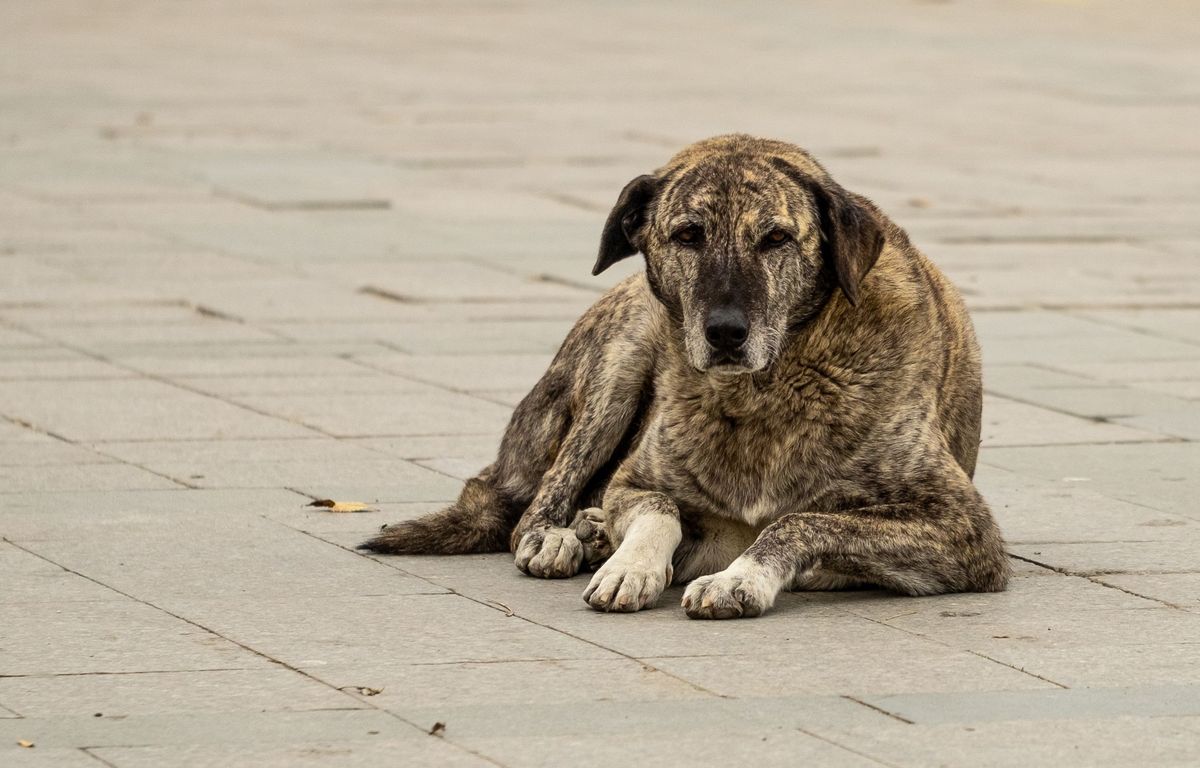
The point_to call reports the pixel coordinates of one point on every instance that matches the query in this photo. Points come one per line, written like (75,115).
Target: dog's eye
(776,238)
(689,236)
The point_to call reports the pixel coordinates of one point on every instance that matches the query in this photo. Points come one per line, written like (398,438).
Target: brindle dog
(787,398)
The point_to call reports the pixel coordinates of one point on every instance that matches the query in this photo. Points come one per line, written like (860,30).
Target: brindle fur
(835,448)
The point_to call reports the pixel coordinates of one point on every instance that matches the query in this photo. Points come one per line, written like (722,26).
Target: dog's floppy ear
(626,218)
(851,237)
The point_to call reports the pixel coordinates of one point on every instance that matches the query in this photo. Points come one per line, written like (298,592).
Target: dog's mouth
(730,364)
(720,361)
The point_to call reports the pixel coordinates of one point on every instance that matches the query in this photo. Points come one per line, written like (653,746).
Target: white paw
(551,553)
(730,594)
(626,586)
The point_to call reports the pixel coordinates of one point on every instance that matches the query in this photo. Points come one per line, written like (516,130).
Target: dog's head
(743,239)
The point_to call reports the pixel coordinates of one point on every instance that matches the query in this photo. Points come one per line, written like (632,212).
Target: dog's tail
(480,521)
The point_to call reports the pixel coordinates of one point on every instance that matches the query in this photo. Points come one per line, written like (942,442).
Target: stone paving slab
(1105,742)
(135,410)
(317,632)
(428,412)
(100,477)
(1034,511)
(96,636)
(1166,701)
(191,728)
(1154,475)
(254,255)
(147,694)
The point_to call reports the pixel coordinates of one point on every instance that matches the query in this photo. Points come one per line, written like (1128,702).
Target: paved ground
(253,254)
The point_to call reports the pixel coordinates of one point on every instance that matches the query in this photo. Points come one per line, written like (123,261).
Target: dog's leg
(559,436)
(644,528)
(544,543)
(926,545)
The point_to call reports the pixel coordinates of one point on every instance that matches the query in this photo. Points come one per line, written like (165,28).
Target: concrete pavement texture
(255,253)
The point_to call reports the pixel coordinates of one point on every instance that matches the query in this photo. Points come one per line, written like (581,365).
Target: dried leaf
(438,729)
(341,506)
(29,744)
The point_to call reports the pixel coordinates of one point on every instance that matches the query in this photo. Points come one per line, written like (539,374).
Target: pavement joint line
(1022,670)
(386,344)
(307,205)
(251,649)
(1094,578)
(1106,323)
(435,470)
(216,314)
(23,424)
(484,396)
(1061,411)
(537,277)
(1041,366)
(409,377)
(1109,382)
(1166,440)
(880,710)
(386,295)
(851,750)
(832,742)
(1098,579)
(410,459)
(88,751)
(164,475)
(513,614)
(565,198)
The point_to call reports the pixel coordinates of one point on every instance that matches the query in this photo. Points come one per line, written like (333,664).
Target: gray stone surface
(254,255)
(150,693)
(1052,704)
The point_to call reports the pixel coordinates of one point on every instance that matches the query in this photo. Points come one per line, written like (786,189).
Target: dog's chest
(750,459)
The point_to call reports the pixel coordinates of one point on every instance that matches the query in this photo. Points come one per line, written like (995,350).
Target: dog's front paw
(626,587)
(551,553)
(728,595)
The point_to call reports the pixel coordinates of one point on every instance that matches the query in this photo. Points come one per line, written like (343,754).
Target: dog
(788,397)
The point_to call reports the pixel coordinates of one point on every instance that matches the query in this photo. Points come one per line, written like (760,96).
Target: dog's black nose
(726,329)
